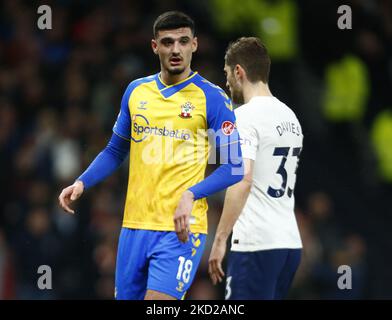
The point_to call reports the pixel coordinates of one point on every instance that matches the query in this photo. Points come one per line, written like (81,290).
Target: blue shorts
(156,260)
(261,275)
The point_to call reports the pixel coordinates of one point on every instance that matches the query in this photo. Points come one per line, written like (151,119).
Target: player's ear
(194,44)
(238,72)
(154,46)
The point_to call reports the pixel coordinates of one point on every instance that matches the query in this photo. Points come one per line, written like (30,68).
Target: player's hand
(182,214)
(70,194)
(215,261)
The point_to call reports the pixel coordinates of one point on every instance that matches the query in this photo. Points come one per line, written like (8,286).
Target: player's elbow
(248,178)
(243,185)
(246,182)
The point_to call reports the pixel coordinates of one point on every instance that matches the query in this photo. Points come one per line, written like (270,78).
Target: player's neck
(169,79)
(255,89)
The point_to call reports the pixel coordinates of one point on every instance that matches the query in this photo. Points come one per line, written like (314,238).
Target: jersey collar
(168,91)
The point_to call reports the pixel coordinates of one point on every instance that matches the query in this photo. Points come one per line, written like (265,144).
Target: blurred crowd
(60,93)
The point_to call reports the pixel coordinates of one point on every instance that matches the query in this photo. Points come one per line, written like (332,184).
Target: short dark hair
(173,20)
(252,55)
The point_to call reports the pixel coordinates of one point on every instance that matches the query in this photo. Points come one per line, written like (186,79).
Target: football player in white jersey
(266,244)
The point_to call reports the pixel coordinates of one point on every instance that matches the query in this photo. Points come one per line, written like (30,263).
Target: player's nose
(176,47)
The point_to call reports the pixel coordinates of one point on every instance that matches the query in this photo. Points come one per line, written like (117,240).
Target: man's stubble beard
(176,71)
(237,96)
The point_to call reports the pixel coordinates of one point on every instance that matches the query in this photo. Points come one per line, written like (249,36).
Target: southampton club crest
(186,110)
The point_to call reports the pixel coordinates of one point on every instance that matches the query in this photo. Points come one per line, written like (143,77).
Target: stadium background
(60,92)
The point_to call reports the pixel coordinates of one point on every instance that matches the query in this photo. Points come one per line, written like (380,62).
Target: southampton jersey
(167,127)
(271,135)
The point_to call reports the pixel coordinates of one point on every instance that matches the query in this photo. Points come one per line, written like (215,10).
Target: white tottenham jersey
(271,135)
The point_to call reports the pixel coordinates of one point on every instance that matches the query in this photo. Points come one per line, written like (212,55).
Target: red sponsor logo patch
(228,127)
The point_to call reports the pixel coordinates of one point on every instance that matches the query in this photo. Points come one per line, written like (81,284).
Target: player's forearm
(230,172)
(106,162)
(224,176)
(235,200)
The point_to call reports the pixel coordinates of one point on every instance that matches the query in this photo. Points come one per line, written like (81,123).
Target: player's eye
(167,42)
(184,40)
